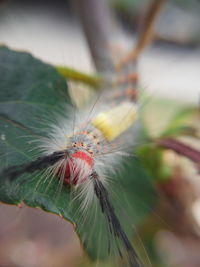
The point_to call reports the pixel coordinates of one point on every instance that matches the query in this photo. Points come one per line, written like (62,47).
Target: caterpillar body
(82,152)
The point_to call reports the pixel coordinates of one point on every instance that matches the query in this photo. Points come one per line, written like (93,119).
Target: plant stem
(181,149)
(146,32)
(93,80)
(95,18)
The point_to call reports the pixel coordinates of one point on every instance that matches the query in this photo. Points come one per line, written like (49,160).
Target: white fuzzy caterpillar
(83,151)
(83,157)
(92,144)
(92,147)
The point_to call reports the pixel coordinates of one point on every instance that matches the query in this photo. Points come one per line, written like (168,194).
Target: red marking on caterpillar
(84,156)
(77,168)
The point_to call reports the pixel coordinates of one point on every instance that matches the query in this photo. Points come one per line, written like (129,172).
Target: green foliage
(151,157)
(30,91)
(178,124)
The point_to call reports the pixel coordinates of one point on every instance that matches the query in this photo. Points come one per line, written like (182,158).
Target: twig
(146,30)
(181,149)
(95,17)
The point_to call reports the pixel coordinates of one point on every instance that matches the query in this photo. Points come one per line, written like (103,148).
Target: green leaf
(32,90)
(179,121)
(151,158)
(29,91)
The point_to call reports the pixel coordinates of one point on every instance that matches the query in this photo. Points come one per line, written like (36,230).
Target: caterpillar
(82,157)
(82,152)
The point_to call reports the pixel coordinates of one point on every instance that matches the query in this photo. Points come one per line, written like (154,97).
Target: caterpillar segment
(116,120)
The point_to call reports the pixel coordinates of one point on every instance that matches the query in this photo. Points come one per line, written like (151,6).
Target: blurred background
(169,69)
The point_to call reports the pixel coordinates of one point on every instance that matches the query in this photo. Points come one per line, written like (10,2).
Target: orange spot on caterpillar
(131,77)
(131,93)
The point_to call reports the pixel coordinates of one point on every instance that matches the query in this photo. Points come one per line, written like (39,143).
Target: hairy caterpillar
(83,156)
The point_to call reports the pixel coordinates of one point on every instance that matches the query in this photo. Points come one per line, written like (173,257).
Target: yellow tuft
(115,121)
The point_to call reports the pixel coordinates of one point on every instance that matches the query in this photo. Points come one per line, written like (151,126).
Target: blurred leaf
(30,91)
(178,123)
(151,157)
